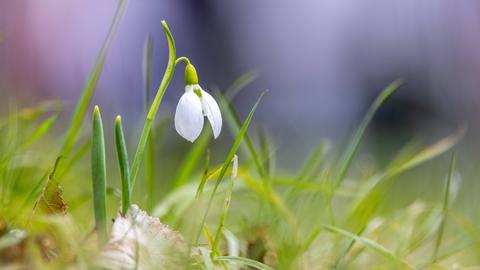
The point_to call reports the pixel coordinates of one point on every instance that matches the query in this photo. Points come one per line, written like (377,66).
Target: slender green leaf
(313,162)
(123,164)
(81,151)
(352,147)
(41,130)
(445,207)
(226,205)
(244,261)
(204,176)
(155,105)
(374,246)
(87,92)
(231,154)
(234,123)
(365,207)
(99,176)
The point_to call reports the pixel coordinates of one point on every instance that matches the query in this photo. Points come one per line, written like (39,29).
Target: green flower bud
(191,77)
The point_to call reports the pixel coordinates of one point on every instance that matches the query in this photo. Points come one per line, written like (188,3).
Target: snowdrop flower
(192,108)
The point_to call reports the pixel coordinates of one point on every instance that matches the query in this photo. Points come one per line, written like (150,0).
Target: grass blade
(430,152)
(226,205)
(445,207)
(231,154)
(367,203)
(204,176)
(234,122)
(244,261)
(379,249)
(99,176)
(313,162)
(76,157)
(123,164)
(352,147)
(87,92)
(155,104)
(41,130)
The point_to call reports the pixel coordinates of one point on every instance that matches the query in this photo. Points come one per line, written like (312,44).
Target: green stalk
(88,90)
(99,176)
(123,164)
(154,108)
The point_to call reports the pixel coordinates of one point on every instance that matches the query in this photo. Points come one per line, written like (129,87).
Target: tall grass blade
(352,147)
(244,261)
(41,130)
(313,162)
(234,123)
(445,207)
(155,104)
(87,92)
(205,176)
(226,205)
(368,202)
(99,176)
(372,245)
(77,156)
(231,154)
(123,164)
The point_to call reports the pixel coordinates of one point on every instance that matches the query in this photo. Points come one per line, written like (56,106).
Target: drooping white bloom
(193,106)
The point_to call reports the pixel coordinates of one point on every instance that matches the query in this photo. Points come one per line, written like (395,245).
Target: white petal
(212,112)
(189,116)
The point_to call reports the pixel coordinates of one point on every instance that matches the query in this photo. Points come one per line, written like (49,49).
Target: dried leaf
(52,200)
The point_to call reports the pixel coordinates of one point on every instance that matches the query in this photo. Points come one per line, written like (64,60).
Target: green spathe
(191,77)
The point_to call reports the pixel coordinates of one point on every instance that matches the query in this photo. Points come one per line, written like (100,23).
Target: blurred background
(323,61)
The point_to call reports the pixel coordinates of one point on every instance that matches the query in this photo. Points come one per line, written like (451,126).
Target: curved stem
(180,59)
(154,108)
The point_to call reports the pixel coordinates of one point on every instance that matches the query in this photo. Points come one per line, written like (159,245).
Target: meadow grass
(336,212)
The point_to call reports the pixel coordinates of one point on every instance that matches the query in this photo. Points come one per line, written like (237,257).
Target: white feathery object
(139,241)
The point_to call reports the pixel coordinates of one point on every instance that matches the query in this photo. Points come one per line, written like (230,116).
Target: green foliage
(155,105)
(99,176)
(88,91)
(123,164)
(261,218)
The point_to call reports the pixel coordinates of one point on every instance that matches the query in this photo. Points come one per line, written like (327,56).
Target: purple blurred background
(323,61)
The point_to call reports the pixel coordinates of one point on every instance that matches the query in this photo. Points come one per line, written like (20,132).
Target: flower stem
(154,108)
(180,59)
